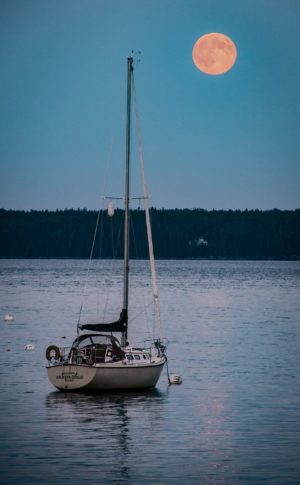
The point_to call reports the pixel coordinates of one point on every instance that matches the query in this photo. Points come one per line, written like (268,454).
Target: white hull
(105,377)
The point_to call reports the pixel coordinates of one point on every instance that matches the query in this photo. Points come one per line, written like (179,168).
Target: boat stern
(70,377)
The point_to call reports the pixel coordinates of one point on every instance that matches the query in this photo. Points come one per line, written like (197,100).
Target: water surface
(234,337)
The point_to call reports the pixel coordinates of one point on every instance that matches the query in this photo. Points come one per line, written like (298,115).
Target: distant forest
(177,234)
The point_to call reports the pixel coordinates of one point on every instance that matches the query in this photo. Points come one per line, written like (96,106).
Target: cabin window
(137,357)
(129,357)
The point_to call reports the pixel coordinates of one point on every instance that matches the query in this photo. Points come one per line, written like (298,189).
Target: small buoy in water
(63,336)
(175,379)
(29,347)
(8,317)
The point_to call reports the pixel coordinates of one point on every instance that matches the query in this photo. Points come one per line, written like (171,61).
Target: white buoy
(29,347)
(110,209)
(175,379)
(8,318)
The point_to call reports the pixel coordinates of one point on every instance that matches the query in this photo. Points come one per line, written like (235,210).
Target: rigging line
(118,243)
(141,312)
(134,238)
(119,218)
(106,178)
(113,127)
(101,233)
(143,292)
(89,266)
(112,239)
(146,205)
(100,251)
(106,187)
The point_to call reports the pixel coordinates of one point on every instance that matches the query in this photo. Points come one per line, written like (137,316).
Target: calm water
(234,331)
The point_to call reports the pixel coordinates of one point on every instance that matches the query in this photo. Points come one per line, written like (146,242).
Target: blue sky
(228,141)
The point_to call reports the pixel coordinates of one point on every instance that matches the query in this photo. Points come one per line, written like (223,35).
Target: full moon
(214,53)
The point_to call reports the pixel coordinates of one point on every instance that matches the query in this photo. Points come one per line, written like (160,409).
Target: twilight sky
(225,142)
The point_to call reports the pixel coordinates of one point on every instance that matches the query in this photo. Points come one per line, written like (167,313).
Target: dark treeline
(177,234)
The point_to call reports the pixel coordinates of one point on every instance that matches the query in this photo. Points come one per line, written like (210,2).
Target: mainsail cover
(118,326)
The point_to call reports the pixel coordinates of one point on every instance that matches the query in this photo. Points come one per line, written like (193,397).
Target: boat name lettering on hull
(69,376)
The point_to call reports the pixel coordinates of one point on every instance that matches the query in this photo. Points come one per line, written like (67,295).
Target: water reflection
(109,425)
(234,337)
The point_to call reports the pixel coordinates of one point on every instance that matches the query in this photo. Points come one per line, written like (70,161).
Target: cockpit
(95,349)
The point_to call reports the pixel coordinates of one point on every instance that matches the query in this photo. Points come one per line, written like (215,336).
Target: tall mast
(127,197)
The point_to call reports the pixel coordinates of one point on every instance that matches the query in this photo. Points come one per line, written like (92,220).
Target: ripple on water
(234,337)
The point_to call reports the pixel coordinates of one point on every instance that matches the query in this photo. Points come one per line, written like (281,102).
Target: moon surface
(214,53)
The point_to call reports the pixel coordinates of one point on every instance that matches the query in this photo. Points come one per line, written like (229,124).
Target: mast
(127,195)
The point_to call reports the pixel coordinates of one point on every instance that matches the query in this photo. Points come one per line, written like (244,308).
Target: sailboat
(98,360)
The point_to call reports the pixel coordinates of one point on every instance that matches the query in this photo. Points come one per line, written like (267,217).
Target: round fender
(53,352)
